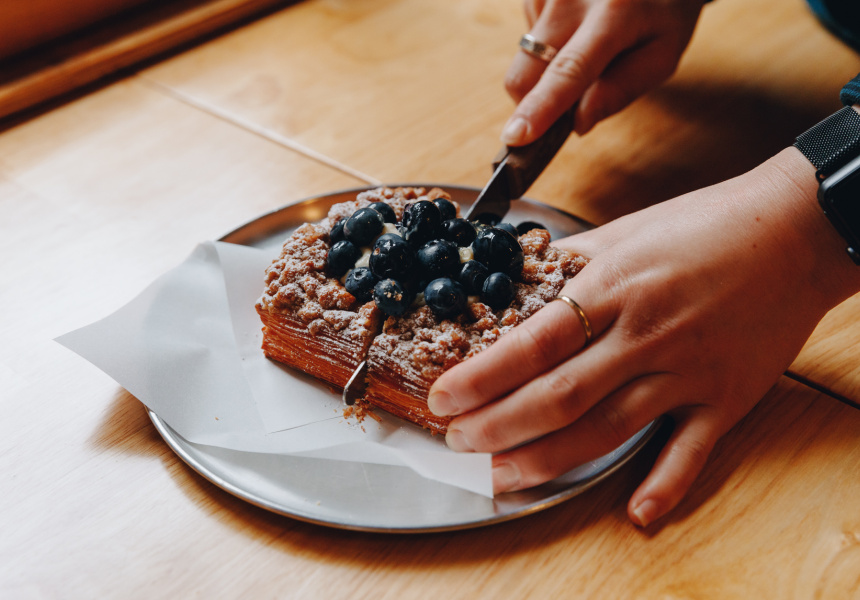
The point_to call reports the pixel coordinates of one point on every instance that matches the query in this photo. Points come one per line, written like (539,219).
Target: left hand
(698,305)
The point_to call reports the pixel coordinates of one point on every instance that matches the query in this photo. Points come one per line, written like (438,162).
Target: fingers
(554,26)
(677,467)
(605,427)
(550,336)
(545,404)
(577,65)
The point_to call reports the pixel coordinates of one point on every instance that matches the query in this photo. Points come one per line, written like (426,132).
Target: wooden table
(101,195)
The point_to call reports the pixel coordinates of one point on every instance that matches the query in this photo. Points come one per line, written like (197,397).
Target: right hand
(610,53)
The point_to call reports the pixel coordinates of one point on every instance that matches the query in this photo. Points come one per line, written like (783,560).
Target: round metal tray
(370,497)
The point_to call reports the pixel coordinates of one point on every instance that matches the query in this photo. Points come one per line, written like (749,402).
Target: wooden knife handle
(526,163)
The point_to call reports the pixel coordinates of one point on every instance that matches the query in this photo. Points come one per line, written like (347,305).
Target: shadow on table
(126,427)
(686,135)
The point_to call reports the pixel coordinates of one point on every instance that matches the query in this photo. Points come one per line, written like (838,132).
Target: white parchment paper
(188,347)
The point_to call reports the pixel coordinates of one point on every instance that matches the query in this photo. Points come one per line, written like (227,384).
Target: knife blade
(356,385)
(516,168)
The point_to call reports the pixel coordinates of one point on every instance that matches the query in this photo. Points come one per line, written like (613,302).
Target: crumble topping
(296,281)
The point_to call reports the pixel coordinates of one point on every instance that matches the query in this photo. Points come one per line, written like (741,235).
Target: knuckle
(537,348)
(573,67)
(562,393)
(611,423)
(692,452)
(487,436)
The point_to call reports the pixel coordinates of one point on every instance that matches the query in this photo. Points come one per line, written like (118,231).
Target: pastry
(396,277)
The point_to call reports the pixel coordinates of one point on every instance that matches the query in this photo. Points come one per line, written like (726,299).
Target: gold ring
(531,46)
(586,324)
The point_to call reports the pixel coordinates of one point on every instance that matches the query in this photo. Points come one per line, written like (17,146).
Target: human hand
(698,305)
(610,53)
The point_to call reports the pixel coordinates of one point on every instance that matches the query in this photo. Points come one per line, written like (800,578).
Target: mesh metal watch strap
(832,142)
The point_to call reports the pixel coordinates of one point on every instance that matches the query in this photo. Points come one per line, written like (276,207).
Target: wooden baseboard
(120,43)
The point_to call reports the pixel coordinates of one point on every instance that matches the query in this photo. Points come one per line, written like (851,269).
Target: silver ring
(531,46)
(586,324)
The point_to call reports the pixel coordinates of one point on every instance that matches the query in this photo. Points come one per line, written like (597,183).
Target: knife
(516,168)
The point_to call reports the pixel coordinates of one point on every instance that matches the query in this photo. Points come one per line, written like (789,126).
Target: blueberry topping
(526,226)
(447,208)
(360,283)
(391,297)
(421,223)
(341,258)
(499,250)
(391,257)
(472,276)
(509,228)
(336,233)
(459,231)
(445,297)
(364,225)
(438,258)
(385,210)
(498,291)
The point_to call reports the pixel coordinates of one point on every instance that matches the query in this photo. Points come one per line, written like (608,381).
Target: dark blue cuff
(850,94)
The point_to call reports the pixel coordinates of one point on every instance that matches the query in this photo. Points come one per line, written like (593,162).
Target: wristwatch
(833,147)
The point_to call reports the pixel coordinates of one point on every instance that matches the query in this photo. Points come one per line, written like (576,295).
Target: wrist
(818,249)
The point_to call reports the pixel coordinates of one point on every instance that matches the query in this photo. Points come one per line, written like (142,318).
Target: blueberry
(341,258)
(472,276)
(499,250)
(421,223)
(445,297)
(509,228)
(336,233)
(498,291)
(446,208)
(360,283)
(391,257)
(385,210)
(527,226)
(391,297)
(364,225)
(459,231)
(438,258)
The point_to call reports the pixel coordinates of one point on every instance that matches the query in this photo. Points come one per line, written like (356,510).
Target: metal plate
(368,497)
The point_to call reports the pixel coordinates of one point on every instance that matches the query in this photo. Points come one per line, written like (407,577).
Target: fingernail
(457,441)
(515,131)
(646,512)
(442,404)
(505,477)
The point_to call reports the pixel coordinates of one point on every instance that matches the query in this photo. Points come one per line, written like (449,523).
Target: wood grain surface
(100,196)
(105,47)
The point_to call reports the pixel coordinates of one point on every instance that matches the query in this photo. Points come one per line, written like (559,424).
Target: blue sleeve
(850,94)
